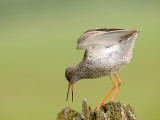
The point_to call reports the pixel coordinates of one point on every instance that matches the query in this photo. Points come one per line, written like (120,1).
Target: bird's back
(107,50)
(116,54)
(109,60)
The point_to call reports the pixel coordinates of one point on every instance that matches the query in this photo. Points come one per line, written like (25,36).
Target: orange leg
(114,86)
(119,83)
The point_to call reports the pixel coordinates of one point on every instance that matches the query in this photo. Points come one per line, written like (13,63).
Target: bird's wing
(99,42)
(93,32)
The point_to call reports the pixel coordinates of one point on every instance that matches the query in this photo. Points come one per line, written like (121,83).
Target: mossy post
(110,111)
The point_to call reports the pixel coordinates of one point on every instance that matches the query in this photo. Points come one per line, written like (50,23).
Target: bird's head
(71,76)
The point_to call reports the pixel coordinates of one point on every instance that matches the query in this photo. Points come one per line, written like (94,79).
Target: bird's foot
(109,101)
(103,104)
(99,105)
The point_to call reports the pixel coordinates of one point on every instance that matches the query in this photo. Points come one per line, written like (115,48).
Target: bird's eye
(67,77)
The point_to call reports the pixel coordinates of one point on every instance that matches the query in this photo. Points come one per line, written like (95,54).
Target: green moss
(113,110)
(59,116)
(68,114)
(130,114)
(72,114)
(110,111)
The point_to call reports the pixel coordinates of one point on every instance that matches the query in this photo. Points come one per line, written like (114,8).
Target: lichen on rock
(110,111)
(69,114)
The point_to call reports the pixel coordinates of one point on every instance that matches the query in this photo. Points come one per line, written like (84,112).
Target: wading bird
(106,51)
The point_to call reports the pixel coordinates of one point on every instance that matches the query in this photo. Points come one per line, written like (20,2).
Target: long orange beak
(68,91)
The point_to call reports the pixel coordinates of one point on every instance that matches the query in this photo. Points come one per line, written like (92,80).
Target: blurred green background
(38,41)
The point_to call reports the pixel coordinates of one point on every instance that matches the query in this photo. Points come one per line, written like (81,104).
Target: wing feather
(105,37)
(104,44)
(93,32)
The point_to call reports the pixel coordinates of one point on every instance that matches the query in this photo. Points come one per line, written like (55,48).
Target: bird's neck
(77,72)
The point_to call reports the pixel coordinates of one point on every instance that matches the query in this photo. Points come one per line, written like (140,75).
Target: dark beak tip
(68,92)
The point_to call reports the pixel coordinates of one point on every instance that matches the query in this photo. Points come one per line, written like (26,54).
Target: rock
(110,111)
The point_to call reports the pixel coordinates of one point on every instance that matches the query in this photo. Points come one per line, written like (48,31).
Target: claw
(99,105)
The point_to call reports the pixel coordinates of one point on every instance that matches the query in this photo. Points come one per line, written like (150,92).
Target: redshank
(106,51)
